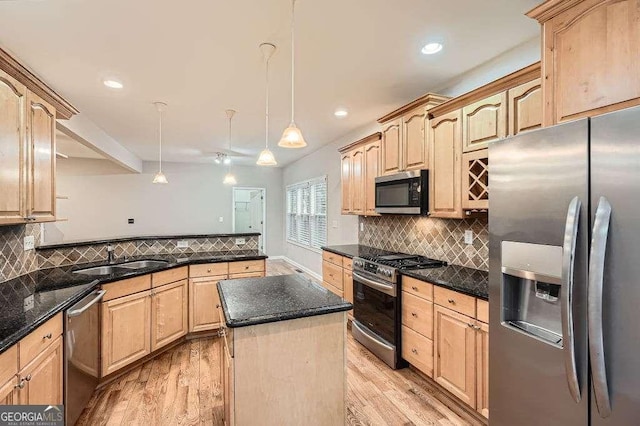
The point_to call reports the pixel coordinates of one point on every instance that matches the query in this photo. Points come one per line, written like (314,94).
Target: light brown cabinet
(391,145)
(228,389)
(203,298)
(482,368)
(484,121)
(414,144)
(455,354)
(41,382)
(525,107)
(12,149)
(445,144)
(28,155)
(9,392)
(126,330)
(169,313)
(337,276)
(590,53)
(360,164)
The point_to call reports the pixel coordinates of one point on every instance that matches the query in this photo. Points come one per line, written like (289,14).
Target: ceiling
(204,58)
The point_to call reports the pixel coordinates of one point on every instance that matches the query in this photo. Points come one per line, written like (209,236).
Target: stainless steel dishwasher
(81,354)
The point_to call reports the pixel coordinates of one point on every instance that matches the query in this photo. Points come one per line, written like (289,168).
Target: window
(307,213)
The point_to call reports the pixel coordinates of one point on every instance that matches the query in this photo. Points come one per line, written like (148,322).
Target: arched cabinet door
(392,147)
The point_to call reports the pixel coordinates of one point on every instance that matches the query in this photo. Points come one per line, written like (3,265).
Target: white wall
(102,198)
(325,161)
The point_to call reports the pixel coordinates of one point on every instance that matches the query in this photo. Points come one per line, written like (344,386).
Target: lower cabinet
(482,368)
(126,330)
(41,381)
(337,276)
(169,313)
(226,367)
(203,298)
(9,392)
(455,349)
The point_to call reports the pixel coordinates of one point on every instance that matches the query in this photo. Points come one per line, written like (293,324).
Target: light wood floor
(183,387)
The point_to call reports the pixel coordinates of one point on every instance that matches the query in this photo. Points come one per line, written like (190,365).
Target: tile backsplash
(14,261)
(436,238)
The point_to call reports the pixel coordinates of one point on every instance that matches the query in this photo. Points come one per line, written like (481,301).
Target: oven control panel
(383,272)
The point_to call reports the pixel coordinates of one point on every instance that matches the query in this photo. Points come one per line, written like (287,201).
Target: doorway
(249,213)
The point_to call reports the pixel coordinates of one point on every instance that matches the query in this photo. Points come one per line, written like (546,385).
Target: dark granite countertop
(138,238)
(56,289)
(356,250)
(464,280)
(254,301)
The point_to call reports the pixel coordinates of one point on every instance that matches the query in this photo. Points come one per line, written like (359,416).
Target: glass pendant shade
(266,158)
(292,138)
(160,178)
(229,179)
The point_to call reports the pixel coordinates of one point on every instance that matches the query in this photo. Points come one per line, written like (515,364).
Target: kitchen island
(284,355)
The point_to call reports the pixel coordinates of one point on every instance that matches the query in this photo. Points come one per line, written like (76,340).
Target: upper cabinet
(29,110)
(525,107)
(404,143)
(484,121)
(360,163)
(392,147)
(590,51)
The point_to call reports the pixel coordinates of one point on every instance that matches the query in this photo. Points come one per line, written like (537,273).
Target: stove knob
(389,274)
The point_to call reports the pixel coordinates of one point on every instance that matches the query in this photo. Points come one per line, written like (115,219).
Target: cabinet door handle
(28,378)
(20,385)
(470,325)
(415,351)
(414,288)
(208,270)
(413,314)
(452,301)
(47,336)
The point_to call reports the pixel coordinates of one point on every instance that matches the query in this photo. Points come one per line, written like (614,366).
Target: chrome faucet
(110,254)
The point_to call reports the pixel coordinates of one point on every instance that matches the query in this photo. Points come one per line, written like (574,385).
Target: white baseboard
(298,266)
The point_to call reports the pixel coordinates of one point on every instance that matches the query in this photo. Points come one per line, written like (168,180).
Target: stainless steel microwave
(403,193)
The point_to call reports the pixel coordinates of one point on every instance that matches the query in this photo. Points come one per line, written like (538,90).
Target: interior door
(534,178)
(249,211)
(615,175)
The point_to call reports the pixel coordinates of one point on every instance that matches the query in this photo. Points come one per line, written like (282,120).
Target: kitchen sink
(99,270)
(140,264)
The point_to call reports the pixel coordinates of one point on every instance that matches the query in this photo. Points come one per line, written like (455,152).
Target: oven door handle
(389,289)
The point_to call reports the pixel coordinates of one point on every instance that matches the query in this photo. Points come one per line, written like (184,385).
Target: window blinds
(307,213)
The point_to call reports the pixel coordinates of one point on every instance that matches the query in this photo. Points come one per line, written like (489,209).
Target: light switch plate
(29,243)
(240,241)
(468,236)
(29,303)
(183,244)
(220,219)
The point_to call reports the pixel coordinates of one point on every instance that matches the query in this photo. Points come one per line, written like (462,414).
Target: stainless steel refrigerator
(564,289)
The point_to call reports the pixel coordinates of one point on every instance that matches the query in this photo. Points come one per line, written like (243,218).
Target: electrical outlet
(468,236)
(29,243)
(334,224)
(361,227)
(29,303)
(220,219)
(240,241)
(183,244)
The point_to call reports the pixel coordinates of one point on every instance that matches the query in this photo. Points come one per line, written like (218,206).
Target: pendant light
(266,156)
(160,177)
(292,136)
(229,178)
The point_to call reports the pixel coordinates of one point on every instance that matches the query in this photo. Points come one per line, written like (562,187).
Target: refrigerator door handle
(568,261)
(596,282)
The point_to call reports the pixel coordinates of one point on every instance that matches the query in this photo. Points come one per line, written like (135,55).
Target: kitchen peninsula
(284,356)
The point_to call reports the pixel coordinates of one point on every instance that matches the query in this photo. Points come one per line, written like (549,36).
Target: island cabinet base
(288,372)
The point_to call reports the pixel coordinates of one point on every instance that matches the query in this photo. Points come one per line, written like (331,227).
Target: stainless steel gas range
(377,302)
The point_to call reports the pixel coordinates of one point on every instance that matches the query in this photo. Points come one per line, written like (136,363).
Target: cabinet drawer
(246,266)
(169,276)
(8,363)
(246,275)
(40,339)
(483,311)
(332,274)
(347,263)
(455,301)
(417,288)
(208,269)
(417,350)
(126,287)
(332,289)
(336,259)
(417,314)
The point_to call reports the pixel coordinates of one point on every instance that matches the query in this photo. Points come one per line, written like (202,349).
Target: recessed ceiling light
(341,113)
(431,48)
(113,84)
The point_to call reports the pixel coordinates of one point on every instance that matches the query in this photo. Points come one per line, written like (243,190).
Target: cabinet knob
(413,314)
(208,270)
(415,351)
(451,301)
(414,288)
(47,336)
(20,385)
(246,267)
(470,325)
(28,378)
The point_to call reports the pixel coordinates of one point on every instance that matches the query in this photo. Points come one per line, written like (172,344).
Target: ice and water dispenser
(531,290)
